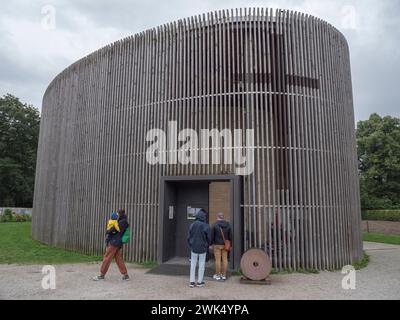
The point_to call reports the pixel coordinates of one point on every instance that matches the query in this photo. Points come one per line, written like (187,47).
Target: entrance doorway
(182,197)
(190,197)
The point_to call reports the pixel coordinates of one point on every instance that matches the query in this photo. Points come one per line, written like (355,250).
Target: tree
(19,133)
(378,148)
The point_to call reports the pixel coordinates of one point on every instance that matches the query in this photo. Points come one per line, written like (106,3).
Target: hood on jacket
(114,216)
(222,223)
(201,215)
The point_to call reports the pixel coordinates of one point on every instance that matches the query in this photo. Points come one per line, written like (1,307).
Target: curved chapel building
(281,75)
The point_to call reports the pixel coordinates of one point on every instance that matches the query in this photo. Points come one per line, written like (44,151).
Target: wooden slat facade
(282,73)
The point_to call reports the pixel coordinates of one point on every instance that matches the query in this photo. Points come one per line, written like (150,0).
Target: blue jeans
(193,263)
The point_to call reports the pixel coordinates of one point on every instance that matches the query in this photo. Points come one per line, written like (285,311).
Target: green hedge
(9,216)
(383,215)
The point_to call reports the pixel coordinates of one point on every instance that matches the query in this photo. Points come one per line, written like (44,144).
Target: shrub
(383,215)
(18,217)
(370,202)
(9,216)
(21,217)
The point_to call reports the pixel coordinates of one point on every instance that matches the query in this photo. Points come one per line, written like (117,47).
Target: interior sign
(171,212)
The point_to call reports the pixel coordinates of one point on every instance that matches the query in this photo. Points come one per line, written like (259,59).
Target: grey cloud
(83,26)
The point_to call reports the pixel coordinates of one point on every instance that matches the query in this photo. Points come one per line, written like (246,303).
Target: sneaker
(216,277)
(98,278)
(125,277)
(201,284)
(192,285)
(223,277)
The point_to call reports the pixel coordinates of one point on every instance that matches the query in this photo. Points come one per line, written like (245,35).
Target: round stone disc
(255,264)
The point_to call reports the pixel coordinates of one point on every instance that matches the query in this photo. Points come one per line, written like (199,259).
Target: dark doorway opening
(182,197)
(190,196)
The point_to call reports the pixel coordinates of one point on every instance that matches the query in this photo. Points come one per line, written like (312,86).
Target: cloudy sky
(38,39)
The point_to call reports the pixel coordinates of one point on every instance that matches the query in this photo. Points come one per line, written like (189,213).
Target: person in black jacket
(199,240)
(114,248)
(220,227)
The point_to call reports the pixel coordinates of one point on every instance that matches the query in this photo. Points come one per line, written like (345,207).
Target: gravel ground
(380,280)
(385,227)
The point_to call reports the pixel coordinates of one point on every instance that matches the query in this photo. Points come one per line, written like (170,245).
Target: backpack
(126,236)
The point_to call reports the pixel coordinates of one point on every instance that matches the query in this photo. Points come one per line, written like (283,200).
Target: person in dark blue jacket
(199,240)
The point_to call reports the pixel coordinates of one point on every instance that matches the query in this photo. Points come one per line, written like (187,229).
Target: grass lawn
(17,246)
(383,238)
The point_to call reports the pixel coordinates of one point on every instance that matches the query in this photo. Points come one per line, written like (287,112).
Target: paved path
(380,280)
